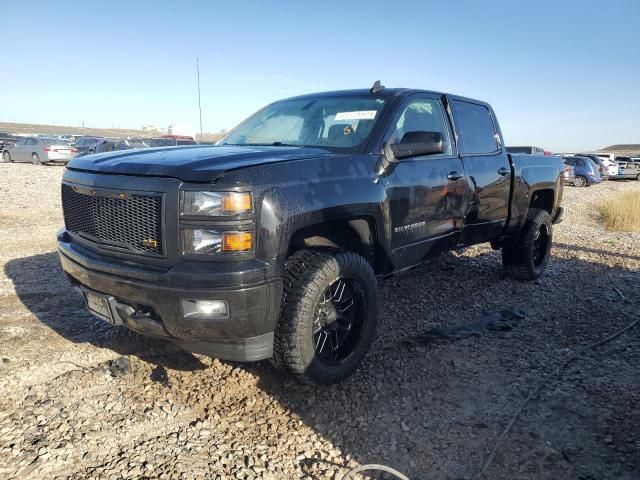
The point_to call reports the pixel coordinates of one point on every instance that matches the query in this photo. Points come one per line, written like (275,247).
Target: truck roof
(385,93)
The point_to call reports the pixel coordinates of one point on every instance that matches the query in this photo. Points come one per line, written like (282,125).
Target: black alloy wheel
(338,322)
(540,244)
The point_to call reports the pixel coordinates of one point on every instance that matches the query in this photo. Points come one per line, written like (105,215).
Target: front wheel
(526,258)
(35,159)
(329,316)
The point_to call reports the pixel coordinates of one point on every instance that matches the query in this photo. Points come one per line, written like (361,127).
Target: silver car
(628,168)
(39,150)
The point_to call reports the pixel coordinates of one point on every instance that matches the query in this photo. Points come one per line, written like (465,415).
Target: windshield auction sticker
(360,115)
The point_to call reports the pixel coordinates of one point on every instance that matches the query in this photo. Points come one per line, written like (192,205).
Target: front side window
(327,122)
(422,115)
(477,133)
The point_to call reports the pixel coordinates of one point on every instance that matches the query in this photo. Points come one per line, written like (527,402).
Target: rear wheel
(580,181)
(526,258)
(6,157)
(35,159)
(328,318)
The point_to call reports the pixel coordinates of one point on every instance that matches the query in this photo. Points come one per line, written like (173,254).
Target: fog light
(215,309)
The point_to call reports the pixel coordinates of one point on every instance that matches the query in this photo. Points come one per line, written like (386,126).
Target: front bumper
(149,302)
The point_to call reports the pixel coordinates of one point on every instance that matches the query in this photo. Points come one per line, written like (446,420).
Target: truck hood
(196,163)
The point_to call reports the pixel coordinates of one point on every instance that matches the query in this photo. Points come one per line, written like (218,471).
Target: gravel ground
(82,399)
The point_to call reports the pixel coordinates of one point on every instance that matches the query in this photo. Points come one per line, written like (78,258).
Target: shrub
(622,214)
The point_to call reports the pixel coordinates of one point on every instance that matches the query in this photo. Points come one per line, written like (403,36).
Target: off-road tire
(6,157)
(309,273)
(524,258)
(35,159)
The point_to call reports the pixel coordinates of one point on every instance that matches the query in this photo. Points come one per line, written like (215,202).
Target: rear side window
(477,133)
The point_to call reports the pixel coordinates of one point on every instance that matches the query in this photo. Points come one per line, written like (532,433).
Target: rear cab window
(477,132)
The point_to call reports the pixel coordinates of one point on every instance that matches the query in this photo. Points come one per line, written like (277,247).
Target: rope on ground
(541,385)
(375,467)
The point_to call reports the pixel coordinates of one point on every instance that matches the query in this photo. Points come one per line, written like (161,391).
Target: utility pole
(199,104)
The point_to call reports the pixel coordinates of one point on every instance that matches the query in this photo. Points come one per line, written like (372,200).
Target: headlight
(215,204)
(205,242)
(212,242)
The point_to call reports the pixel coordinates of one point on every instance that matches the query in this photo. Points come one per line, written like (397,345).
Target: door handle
(504,171)
(455,176)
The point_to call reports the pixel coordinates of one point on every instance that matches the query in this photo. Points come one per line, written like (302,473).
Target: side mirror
(415,144)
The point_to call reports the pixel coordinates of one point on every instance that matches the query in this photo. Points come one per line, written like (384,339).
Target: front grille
(133,223)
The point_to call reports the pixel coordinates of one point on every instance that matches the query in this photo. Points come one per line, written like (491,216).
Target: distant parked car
(71,139)
(602,163)
(115,144)
(586,171)
(39,150)
(605,160)
(172,141)
(7,139)
(87,145)
(528,150)
(628,168)
(569,174)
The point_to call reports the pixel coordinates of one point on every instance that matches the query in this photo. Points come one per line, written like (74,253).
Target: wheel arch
(358,234)
(544,199)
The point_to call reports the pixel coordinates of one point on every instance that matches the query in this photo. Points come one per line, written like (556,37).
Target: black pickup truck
(270,243)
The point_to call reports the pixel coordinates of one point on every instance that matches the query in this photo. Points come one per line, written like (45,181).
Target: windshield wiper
(272,144)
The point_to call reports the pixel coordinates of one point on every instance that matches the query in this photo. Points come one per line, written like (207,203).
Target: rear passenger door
(32,146)
(487,171)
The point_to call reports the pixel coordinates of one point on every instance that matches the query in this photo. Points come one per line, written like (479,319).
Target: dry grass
(622,214)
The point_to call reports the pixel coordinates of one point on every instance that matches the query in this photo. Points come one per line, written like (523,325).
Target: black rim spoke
(539,245)
(337,324)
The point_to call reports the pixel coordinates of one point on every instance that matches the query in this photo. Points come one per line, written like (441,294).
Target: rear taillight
(47,149)
(74,150)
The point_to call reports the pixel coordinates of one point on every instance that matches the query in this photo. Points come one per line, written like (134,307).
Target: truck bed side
(537,182)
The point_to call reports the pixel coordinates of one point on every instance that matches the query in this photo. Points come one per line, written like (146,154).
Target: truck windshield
(327,122)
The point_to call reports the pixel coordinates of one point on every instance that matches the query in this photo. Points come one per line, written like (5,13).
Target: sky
(563,75)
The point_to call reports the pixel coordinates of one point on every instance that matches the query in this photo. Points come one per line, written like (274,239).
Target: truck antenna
(377,87)
(199,104)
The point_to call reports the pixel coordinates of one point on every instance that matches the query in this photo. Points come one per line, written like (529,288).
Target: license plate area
(99,306)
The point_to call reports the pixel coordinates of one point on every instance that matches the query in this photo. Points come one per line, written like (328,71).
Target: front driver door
(424,193)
